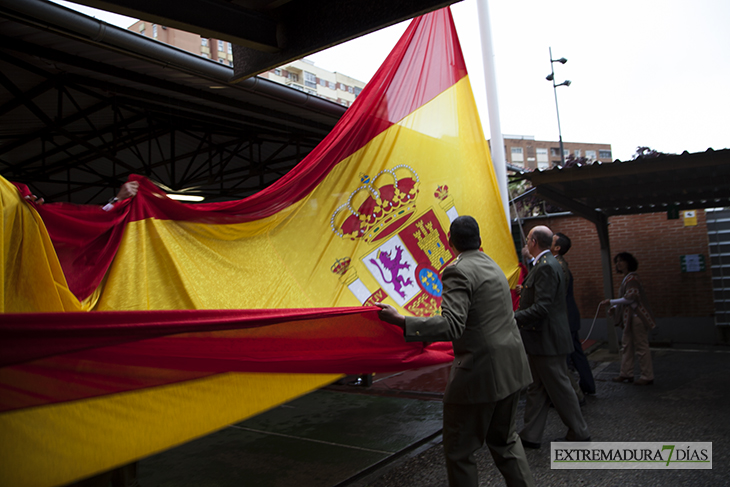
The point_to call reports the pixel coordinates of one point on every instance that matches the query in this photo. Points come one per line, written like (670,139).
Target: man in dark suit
(560,246)
(490,367)
(543,323)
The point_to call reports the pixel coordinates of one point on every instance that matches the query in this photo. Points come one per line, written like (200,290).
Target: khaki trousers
(551,384)
(635,341)
(468,426)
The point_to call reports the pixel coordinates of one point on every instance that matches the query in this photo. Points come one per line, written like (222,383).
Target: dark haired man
(543,323)
(560,246)
(489,368)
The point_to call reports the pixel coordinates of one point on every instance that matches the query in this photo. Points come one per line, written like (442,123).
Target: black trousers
(579,360)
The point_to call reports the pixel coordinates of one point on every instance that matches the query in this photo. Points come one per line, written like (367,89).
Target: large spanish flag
(203,315)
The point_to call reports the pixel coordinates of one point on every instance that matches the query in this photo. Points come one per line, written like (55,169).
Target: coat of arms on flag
(407,250)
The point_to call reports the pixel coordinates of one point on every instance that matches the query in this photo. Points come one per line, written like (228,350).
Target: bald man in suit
(543,322)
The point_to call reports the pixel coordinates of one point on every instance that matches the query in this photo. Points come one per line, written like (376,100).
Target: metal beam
(209,18)
(167,86)
(307,27)
(607,267)
(590,214)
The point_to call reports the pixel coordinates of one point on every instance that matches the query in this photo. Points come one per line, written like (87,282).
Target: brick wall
(657,243)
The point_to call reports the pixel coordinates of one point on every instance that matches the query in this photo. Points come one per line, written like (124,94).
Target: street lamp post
(551,77)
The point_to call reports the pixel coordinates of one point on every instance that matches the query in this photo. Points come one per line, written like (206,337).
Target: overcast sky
(644,72)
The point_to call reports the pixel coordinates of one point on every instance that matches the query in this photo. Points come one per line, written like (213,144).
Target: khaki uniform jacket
(477,317)
(542,317)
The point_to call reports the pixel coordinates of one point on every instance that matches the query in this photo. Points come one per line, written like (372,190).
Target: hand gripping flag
(203,315)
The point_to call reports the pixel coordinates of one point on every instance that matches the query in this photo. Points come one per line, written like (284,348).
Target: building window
(576,152)
(220,46)
(349,89)
(604,154)
(310,80)
(142,28)
(277,71)
(205,54)
(204,42)
(358,91)
(331,85)
(221,60)
(542,156)
(591,155)
(154,31)
(294,77)
(566,153)
(230,48)
(555,151)
(517,155)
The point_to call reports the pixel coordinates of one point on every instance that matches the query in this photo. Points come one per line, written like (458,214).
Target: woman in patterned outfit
(632,313)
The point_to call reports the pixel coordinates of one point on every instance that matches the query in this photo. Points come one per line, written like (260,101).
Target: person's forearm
(439,328)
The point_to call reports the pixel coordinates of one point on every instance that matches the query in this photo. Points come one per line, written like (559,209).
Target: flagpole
(499,159)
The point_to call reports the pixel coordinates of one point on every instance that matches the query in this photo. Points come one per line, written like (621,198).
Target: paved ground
(389,434)
(690,401)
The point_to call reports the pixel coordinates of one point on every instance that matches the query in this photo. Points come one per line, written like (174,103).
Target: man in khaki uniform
(490,367)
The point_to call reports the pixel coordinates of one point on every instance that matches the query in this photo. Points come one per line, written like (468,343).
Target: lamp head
(564,83)
(562,60)
(550,77)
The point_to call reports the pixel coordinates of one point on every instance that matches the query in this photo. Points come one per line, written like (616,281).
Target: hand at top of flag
(34,199)
(128,190)
(390,315)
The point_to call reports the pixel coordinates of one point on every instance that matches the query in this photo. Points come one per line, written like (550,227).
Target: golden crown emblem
(441,193)
(341,266)
(379,207)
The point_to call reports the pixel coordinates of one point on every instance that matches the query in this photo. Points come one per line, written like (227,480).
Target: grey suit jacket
(476,315)
(542,317)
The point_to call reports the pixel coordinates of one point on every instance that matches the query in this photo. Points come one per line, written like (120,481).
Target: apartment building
(526,152)
(301,75)
(215,49)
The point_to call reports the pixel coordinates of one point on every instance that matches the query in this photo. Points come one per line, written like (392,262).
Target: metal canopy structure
(83,104)
(269,33)
(644,185)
